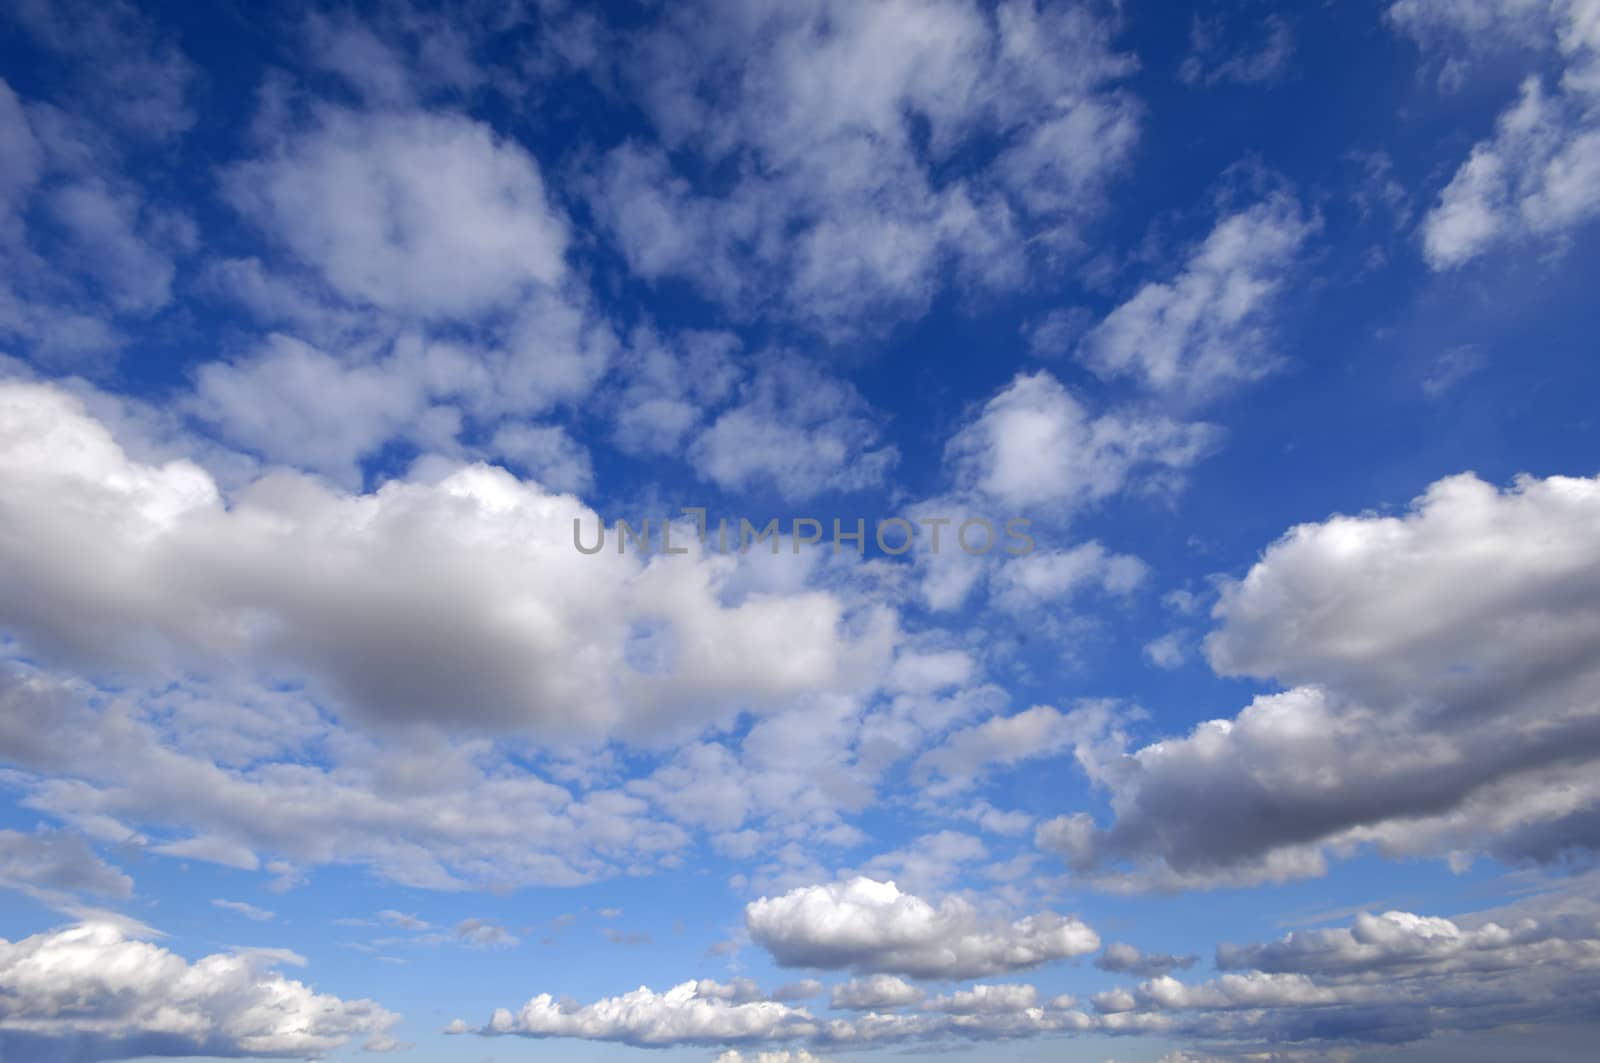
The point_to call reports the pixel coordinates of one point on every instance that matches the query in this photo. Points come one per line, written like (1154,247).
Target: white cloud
(249,911)
(987,1000)
(838,218)
(878,992)
(1442,664)
(1210,62)
(1534,180)
(871,927)
(1385,980)
(799,432)
(680,1016)
(960,762)
(1210,328)
(1035,445)
(1052,577)
(549,452)
(88,992)
(782,1055)
(414,212)
(497,623)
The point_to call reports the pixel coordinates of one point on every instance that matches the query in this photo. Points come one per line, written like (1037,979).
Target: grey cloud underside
(1445,701)
(1386,979)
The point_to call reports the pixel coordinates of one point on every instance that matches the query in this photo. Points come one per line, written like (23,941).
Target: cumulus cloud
(839,217)
(782,1055)
(1121,958)
(1534,179)
(413,212)
(1034,444)
(683,1015)
(1210,327)
(880,992)
(872,927)
(1442,700)
(960,762)
(1387,979)
(1048,578)
(499,623)
(88,992)
(797,431)
(987,1000)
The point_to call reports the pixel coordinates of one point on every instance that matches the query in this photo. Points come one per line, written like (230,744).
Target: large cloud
(458,599)
(871,927)
(88,992)
(1446,664)
(1387,979)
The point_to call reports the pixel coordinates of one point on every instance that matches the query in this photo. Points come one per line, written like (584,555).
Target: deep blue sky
(320,327)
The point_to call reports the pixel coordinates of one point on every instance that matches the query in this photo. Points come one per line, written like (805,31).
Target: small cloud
(403,920)
(249,911)
(1452,367)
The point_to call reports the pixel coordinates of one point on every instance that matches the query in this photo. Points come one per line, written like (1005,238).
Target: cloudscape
(800,531)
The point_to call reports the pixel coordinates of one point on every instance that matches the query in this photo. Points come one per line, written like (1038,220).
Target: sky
(800,531)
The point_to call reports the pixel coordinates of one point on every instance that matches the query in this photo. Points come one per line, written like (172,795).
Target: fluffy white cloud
(88,992)
(1051,577)
(1041,731)
(840,217)
(681,1015)
(876,993)
(1035,445)
(987,1000)
(797,430)
(1535,179)
(1211,326)
(497,622)
(413,212)
(1402,942)
(1444,700)
(782,1055)
(872,927)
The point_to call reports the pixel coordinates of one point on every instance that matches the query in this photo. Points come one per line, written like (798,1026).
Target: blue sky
(1272,326)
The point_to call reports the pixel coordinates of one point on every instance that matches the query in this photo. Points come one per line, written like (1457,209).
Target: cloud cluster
(1535,178)
(832,117)
(1443,700)
(90,992)
(873,928)
(684,1014)
(1211,326)
(1034,445)
(458,599)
